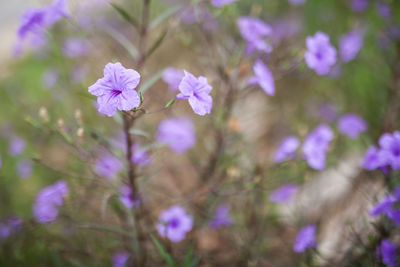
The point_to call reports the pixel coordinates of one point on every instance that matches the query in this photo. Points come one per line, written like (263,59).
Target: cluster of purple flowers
(48,200)
(174,223)
(388,155)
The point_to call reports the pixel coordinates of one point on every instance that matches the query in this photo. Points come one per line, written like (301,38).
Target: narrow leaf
(169,12)
(170,103)
(157,43)
(150,82)
(163,252)
(125,15)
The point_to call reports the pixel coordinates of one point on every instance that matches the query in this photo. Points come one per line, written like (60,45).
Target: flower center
(174,223)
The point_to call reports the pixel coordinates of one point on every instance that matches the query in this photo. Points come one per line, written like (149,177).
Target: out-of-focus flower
(35,21)
(328,112)
(384,206)
(24,168)
(50,78)
(10,226)
(197,91)
(108,166)
(220,3)
(199,14)
(384,10)
(316,145)
(48,200)
(373,159)
(352,125)
(285,28)
(390,147)
(359,5)
(255,32)
(119,259)
(174,223)
(221,217)
(178,133)
(305,239)
(350,44)
(76,47)
(320,55)
(172,77)
(116,90)
(140,156)
(297,2)
(263,77)
(388,252)
(127,198)
(284,193)
(16,146)
(286,149)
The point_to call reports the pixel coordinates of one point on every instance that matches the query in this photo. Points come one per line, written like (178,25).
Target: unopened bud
(61,125)
(43,114)
(78,116)
(80,132)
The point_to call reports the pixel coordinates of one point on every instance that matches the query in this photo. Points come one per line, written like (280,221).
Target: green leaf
(188,258)
(157,43)
(167,257)
(170,103)
(150,82)
(141,98)
(169,12)
(125,15)
(122,40)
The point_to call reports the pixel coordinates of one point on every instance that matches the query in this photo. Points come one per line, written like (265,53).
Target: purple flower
(197,91)
(75,47)
(116,89)
(384,10)
(320,55)
(24,168)
(390,147)
(140,156)
(263,77)
(284,193)
(50,78)
(388,252)
(220,3)
(10,226)
(173,78)
(373,159)
(359,5)
(350,44)
(108,166)
(49,198)
(286,149)
(384,206)
(316,145)
(56,11)
(174,223)
(127,198)
(178,133)
(305,239)
(255,31)
(352,125)
(297,2)
(221,217)
(119,259)
(16,146)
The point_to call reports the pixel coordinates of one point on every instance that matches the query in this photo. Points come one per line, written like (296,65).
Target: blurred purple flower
(10,226)
(316,145)
(384,206)
(359,5)
(305,239)
(320,55)
(297,2)
(255,31)
(116,89)
(390,147)
(49,198)
(127,198)
(352,125)
(24,168)
(285,28)
(350,44)
(373,159)
(328,112)
(284,193)
(174,223)
(108,166)
(76,47)
(16,146)
(172,77)
(140,156)
(263,77)
(388,252)
(200,14)
(220,3)
(119,259)
(384,10)
(286,149)
(50,78)
(197,91)
(221,217)
(178,133)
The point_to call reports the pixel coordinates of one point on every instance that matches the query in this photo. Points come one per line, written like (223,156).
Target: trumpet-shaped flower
(320,55)
(116,90)
(255,32)
(174,223)
(352,125)
(305,239)
(286,149)
(263,77)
